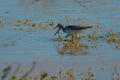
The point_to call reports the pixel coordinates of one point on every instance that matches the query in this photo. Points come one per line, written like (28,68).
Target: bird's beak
(57,31)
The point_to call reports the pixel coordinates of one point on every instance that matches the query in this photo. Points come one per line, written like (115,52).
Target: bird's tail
(90,26)
(86,27)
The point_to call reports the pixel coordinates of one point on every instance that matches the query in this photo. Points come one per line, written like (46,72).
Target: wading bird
(71,30)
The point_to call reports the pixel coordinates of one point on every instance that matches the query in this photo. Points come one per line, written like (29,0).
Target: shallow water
(38,45)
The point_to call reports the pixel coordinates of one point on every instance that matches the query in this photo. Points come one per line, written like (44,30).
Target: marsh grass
(62,75)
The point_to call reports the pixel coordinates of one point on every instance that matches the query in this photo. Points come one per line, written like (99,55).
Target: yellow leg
(59,38)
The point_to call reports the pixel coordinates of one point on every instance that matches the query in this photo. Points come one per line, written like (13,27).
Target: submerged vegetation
(94,36)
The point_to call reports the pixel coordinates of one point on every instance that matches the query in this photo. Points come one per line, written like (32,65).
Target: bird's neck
(63,28)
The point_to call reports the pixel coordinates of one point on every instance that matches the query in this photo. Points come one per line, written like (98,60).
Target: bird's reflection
(71,47)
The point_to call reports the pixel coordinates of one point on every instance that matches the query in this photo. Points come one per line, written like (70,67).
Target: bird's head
(59,26)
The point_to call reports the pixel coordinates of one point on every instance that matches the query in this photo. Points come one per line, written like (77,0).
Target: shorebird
(71,30)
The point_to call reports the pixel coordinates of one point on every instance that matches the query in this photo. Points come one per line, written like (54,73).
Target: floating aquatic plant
(70,75)
(33,25)
(53,78)
(43,76)
(111,38)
